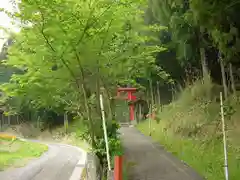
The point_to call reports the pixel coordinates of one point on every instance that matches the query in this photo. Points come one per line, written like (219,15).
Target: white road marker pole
(224,139)
(105,131)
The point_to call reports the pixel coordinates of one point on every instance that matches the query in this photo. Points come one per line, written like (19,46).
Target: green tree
(68,49)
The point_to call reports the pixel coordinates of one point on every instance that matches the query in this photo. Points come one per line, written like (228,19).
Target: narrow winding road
(58,163)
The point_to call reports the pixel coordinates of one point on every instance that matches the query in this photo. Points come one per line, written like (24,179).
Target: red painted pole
(129,95)
(131,106)
(118,168)
(131,109)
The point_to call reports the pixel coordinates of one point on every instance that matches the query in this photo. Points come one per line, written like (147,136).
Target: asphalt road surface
(150,160)
(57,163)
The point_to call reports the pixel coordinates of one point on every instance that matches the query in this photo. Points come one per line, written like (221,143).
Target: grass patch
(17,153)
(190,128)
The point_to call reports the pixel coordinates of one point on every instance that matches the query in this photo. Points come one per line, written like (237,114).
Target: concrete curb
(78,172)
(92,168)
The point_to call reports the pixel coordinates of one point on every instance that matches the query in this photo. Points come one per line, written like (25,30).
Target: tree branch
(53,49)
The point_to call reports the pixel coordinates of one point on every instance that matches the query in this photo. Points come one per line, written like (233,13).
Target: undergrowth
(190,128)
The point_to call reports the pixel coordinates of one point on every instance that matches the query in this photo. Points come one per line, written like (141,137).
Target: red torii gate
(130,97)
(118,161)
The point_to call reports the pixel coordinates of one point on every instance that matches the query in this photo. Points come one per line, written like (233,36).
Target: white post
(224,139)
(105,131)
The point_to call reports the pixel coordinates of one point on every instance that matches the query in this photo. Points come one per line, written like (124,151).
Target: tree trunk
(89,117)
(9,120)
(151,94)
(110,102)
(38,122)
(172,90)
(3,120)
(66,122)
(151,107)
(203,55)
(159,96)
(140,112)
(98,88)
(86,104)
(224,81)
(232,79)
(203,63)
(112,109)
(148,100)
(1,123)
(18,119)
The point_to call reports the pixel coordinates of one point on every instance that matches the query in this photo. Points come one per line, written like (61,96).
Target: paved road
(56,164)
(150,161)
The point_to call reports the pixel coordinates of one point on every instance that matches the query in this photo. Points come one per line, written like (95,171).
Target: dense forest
(183,40)
(68,52)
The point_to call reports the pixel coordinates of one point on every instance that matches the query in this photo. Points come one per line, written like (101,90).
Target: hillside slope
(190,128)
